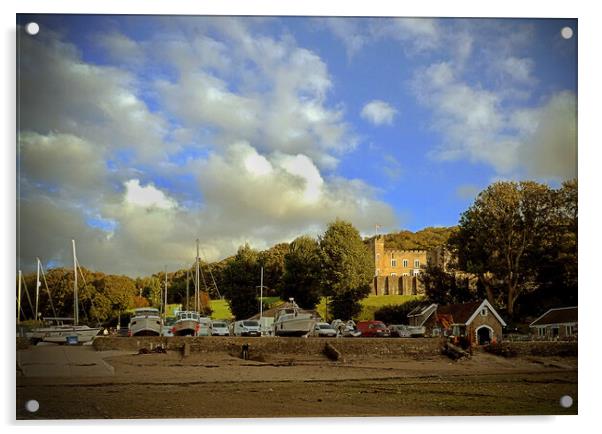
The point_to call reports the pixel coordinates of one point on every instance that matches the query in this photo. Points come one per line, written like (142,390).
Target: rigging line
(48,290)
(28,298)
(212,278)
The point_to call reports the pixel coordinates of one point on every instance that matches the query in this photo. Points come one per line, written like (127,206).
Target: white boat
(293,321)
(63,330)
(146,321)
(187,323)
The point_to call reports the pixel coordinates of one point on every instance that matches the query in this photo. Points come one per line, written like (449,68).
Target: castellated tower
(396,271)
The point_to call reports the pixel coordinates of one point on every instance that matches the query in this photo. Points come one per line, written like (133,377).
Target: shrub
(396,314)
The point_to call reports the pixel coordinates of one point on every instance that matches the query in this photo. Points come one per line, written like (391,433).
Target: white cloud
(147,197)
(250,116)
(518,69)
(61,93)
(477,124)
(350,31)
(378,112)
(121,48)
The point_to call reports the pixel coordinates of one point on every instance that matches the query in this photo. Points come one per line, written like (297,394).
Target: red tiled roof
(557,316)
(460,312)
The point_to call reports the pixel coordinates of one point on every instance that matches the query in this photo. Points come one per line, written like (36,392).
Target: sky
(139,134)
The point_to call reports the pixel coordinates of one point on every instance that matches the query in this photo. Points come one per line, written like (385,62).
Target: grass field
(370,304)
(221,309)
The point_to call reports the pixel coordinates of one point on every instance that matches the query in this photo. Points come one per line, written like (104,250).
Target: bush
(396,314)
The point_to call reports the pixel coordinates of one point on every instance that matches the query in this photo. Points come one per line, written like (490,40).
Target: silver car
(324,330)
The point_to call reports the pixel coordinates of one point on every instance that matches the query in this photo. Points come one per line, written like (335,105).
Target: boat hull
(59,335)
(186,328)
(294,327)
(148,326)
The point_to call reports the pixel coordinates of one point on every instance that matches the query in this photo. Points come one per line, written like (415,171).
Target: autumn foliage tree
(512,233)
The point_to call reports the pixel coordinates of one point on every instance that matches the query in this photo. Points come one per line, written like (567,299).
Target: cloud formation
(241,146)
(378,112)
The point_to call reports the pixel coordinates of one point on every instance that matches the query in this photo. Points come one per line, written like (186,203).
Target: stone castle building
(396,271)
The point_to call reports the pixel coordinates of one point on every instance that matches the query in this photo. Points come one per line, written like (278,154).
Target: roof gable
(559,315)
(465,313)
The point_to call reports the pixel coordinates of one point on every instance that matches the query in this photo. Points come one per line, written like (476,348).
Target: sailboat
(62,330)
(189,322)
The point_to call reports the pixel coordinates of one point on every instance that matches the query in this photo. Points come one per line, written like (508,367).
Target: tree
(241,279)
(443,287)
(347,269)
(425,239)
(272,261)
(556,256)
(301,279)
(500,235)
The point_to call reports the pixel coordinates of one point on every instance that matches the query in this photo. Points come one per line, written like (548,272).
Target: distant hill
(425,239)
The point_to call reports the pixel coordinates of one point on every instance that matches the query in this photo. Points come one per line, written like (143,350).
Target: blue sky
(139,134)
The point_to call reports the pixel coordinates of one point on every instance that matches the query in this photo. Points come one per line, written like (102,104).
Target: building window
(393,262)
(416,263)
(416,272)
(405,274)
(393,274)
(484,311)
(405,263)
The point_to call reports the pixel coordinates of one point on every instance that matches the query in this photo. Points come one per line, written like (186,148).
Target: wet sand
(223,385)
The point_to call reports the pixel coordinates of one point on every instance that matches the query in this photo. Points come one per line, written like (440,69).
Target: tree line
(336,265)
(516,245)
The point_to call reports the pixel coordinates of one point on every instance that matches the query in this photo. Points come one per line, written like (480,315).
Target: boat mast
(38,284)
(19,299)
(197,287)
(261,297)
(75,300)
(187,289)
(165,304)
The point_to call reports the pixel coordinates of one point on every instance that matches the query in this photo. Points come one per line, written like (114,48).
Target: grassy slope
(221,310)
(370,304)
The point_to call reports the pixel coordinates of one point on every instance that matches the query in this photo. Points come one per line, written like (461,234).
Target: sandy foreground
(81,383)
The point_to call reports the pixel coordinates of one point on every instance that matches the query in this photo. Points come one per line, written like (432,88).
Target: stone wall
(413,348)
(535,348)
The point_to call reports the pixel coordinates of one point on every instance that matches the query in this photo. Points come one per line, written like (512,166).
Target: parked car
(406,331)
(373,329)
(247,328)
(324,330)
(220,328)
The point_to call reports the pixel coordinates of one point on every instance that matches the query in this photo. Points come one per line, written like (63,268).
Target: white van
(247,327)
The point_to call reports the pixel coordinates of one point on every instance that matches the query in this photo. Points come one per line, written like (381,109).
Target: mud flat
(299,383)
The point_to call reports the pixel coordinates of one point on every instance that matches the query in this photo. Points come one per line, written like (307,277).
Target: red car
(373,329)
